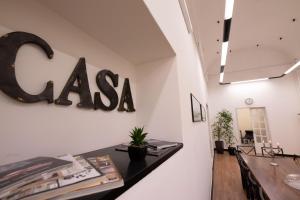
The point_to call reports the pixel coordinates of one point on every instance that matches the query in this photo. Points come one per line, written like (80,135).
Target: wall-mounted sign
(9,46)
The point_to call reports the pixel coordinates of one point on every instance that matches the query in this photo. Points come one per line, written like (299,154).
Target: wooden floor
(227,184)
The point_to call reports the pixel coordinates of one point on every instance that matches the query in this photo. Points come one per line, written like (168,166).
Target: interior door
(260,127)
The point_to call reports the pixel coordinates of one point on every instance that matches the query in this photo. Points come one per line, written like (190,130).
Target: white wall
(187,175)
(28,130)
(161,92)
(280,97)
(158,99)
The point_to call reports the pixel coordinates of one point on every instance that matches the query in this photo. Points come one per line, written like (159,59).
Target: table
(132,172)
(271,178)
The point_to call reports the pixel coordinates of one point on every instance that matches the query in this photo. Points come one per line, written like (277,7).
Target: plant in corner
(230,140)
(137,149)
(222,128)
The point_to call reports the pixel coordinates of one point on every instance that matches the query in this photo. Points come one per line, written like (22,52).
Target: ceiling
(265,34)
(126,27)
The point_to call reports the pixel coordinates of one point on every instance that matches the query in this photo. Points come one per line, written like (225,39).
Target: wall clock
(249,101)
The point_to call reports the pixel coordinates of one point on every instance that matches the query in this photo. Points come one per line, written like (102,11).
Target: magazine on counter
(110,178)
(20,173)
(155,147)
(150,151)
(160,144)
(82,178)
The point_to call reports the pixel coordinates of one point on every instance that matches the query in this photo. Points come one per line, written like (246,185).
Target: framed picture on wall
(196,109)
(203,113)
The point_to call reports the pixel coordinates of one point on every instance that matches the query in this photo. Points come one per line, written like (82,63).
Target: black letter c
(9,46)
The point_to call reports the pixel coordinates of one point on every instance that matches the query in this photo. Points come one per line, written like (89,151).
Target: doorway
(253,126)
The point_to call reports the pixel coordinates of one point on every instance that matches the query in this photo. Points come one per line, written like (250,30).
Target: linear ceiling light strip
(229,5)
(292,68)
(221,74)
(249,81)
(226,32)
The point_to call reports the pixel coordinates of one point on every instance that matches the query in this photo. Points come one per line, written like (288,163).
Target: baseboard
(224,150)
(288,155)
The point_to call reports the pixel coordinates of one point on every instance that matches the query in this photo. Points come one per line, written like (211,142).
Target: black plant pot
(137,153)
(219,147)
(231,150)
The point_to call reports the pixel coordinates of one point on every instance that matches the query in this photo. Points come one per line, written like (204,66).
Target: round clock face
(249,101)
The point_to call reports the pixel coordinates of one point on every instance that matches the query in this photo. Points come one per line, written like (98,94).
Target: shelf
(132,172)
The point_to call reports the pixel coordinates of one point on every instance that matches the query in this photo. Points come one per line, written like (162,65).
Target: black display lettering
(82,89)
(9,46)
(126,98)
(107,90)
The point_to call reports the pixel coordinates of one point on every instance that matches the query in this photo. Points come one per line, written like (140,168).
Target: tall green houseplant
(222,128)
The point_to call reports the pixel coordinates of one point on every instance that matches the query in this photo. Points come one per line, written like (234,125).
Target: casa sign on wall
(9,46)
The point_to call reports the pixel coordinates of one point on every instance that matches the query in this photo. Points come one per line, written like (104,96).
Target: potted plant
(137,149)
(221,128)
(229,139)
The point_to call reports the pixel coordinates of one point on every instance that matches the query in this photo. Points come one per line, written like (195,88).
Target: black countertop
(132,172)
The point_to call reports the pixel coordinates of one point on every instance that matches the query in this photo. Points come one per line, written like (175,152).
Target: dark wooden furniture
(271,178)
(246,148)
(132,172)
(265,151)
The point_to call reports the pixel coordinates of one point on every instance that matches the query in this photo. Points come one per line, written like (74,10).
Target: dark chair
(262,194)
(253,188)
(266,151)
(247,149)
(244,171)
(244,174)
(248,136)
(296,159)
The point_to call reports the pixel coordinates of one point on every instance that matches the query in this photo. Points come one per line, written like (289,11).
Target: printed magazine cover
(21,173)
(79,179)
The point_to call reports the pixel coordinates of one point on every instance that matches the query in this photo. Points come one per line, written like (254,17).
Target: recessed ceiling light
(280,38)
(294,19)
(221,77)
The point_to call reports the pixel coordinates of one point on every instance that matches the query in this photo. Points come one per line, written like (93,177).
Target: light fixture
(227,23)
(224,53)
(221,77)
(292,68)
(222,74)
(249,81)
(228,9)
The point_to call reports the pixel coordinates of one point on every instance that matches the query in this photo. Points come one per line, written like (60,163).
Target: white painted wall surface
(158,99)
(187,175)
(280,97)
(162,100)
(29,130)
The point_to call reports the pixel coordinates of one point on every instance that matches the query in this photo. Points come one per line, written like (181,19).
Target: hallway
(227,183)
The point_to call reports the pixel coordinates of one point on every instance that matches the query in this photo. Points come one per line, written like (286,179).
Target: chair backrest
(247,149)
(266,151)
(249,134)
(253,188)
(262,194)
